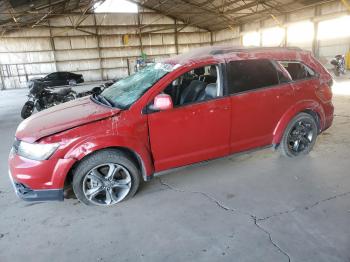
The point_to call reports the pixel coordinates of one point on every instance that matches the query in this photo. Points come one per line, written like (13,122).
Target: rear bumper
(329,115)
(28,194)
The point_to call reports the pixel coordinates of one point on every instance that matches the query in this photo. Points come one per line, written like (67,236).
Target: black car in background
(58,79)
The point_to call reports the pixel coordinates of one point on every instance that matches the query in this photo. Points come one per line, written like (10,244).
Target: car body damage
(62,117)
(209,107)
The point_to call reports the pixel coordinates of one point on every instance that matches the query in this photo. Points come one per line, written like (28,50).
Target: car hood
(62,117)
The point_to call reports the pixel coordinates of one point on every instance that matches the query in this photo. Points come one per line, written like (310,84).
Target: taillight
(330,83)
(324,91)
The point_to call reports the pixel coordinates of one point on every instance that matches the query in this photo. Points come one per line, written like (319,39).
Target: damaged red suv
(206,104)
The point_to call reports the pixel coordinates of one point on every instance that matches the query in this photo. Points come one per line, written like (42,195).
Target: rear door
(62,78)
(260,93)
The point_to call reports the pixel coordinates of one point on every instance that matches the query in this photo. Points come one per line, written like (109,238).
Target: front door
(196,129)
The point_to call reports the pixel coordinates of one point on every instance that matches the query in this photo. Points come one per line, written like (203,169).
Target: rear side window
(247,75)
(297,70)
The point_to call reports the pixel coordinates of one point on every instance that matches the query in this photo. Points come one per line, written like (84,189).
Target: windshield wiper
(104,100)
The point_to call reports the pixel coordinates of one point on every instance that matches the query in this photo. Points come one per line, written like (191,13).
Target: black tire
(27,109)
(302,128)
(96,160)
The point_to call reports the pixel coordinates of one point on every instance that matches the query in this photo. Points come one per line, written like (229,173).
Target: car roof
(230,52)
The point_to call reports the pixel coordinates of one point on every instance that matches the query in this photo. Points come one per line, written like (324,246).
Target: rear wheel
(27,109)
(299,136)
(106,178)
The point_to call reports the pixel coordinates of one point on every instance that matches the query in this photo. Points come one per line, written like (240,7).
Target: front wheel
(27,109)
(105,178)
(299,136)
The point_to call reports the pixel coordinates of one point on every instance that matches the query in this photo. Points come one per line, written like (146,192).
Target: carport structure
(255,206)
(41,36)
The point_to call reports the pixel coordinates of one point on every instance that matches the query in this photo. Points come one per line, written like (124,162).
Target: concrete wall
(97,50)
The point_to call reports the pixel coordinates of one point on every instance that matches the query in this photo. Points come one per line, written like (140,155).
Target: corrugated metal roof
(16,14)
(211,15)
(219,14)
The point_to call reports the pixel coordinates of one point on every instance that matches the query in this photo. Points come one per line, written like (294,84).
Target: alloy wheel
(107,184)
(300,137)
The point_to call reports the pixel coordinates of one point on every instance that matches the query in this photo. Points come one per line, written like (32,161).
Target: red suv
(206,104)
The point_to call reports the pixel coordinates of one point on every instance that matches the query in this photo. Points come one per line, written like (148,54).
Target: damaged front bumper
(28,194)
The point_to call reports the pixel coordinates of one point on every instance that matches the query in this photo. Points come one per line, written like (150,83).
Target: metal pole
(139,29)
(315,42)
(98,47)
(176,38)
(2,79)
(52,43)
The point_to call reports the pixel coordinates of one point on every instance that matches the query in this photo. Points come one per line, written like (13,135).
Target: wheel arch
(316,116)
(310,107)
(132,154)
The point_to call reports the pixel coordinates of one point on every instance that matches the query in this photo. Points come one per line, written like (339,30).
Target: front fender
(89,145)
(301,106)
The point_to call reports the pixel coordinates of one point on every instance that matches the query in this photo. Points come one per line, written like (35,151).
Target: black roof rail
(226,49)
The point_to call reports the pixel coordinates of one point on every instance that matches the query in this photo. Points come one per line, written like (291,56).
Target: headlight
(35,151)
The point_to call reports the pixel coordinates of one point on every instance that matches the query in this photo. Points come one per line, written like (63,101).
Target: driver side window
(199,84)
(51,76)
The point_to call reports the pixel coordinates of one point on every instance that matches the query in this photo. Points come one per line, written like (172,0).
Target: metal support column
(2,79)
(52,44)
(285,40)
(176,37)
(139,29)
(99,47)
(315,42)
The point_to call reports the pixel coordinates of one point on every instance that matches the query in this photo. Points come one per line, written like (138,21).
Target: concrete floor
(251,207)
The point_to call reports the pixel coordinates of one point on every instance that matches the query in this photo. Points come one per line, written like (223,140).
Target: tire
(27,109)
(72,82)
(336,72)
(299,136)
(91,186)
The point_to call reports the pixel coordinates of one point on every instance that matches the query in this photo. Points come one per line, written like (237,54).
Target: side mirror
(162,102)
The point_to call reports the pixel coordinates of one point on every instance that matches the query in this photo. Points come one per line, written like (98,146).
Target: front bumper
(38,180)
(28,194)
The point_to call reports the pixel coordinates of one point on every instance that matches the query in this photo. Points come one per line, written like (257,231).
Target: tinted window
(62,75)
(250,74)
(297,70)
(52,76)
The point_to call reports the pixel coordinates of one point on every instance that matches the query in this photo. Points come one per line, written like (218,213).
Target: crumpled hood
(62,117)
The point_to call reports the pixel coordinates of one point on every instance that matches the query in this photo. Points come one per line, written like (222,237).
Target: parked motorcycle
(339,64)
(41,97)
(96,90)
